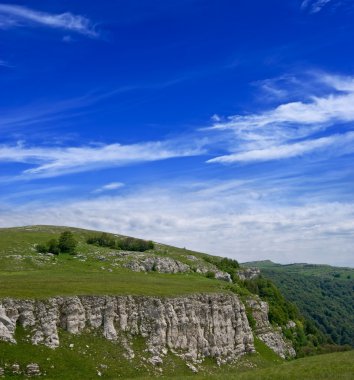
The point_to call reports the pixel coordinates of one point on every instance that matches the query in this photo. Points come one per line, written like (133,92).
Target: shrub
(41,248)
(210,274)
(53,247)
(67,243)
(128,244)
(225,264)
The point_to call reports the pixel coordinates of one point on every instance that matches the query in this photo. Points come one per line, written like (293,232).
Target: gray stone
(193,327)
(248,273)
(33,370)
(267,333)
(158,264)
(223,276)
(15,368)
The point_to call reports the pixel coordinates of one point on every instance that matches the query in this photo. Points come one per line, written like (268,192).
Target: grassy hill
(98,270)
(27,274)
(323,293)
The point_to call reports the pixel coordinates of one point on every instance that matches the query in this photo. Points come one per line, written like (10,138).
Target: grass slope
(24,273)
(323,294)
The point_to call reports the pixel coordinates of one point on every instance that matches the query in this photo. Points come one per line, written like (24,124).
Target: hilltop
(118,306)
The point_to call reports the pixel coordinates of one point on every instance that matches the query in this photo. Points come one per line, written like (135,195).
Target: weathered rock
(268,334)
(15,368)
(290,325)
(158,264)
(193,327)
(33,369)
(2,371)
(192,258)
(7,327)
(248,273)
(223,276)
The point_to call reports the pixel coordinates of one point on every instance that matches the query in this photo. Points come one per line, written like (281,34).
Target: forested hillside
(322,293)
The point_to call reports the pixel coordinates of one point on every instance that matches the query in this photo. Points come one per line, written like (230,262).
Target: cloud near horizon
(226,219)
(16,15)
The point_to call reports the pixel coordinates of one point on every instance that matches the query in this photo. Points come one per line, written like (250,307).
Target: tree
(53,247)
(67,242)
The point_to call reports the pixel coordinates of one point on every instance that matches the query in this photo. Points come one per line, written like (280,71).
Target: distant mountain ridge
(323,293)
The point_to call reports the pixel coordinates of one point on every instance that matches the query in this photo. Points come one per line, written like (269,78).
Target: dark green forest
(323,294)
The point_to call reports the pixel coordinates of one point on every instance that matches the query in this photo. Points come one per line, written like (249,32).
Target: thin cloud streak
(56,161)
(314,6)
(292,150)
(16,16)
(109,187)
(291,129)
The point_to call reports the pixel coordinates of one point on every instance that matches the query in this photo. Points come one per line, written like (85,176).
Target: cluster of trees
(306,336)
(127,244)
(65,244)
(327,302)
(225,265)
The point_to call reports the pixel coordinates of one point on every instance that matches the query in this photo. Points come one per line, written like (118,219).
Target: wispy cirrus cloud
(343,144)
(109,187)
(314,6)
(293,129)
(4,63)
(16,16)
(55,161)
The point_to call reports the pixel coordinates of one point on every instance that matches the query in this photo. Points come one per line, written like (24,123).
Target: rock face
(158,264)
(248,273)
(268,334)
(33,369)
(223,276)
(192,327)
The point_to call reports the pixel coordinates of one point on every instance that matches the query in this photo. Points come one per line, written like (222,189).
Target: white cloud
(292,150)
(314,6)
(16,15)
(4,63)
(109,187)
(55,161)
(290,129)
(228,219)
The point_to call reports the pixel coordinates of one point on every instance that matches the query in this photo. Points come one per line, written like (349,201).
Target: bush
(226,265)
(53,246)
(103,240)
(210,274)
(128,244)
(67,243)
(41,248)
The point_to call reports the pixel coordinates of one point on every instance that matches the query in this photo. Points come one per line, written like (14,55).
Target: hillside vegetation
(91,263)
(324,294)
(92,270)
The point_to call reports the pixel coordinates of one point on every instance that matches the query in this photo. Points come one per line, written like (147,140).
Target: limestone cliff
(192,327)
(267,333)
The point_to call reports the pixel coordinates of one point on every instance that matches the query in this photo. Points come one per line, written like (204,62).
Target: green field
(94,270)
(24,273)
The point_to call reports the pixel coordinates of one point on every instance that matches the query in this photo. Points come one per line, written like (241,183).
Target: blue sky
(222,126)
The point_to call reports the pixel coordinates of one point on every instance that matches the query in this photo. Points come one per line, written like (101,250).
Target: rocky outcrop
(248,273)
(33,369)
(267,333)
(192,327)
(223,276)
(157,264)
